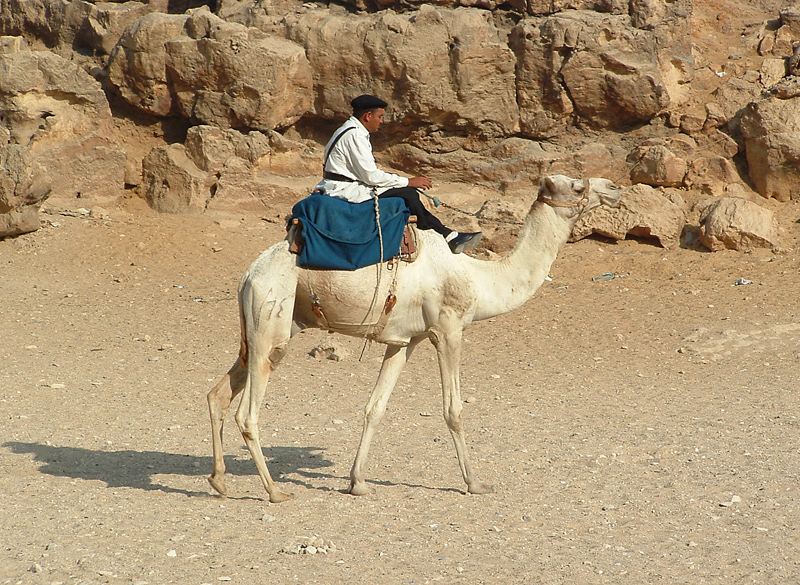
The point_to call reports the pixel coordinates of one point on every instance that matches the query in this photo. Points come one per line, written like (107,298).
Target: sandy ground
(638,430)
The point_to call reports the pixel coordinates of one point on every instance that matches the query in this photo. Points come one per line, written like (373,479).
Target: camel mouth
(607,192)
(614,200)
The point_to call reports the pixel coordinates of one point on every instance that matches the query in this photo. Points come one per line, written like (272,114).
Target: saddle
(408,245)
(333,234)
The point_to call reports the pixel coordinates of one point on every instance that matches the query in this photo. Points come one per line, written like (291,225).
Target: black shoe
(464,242)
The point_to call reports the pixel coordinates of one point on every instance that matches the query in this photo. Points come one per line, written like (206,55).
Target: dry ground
(638,430)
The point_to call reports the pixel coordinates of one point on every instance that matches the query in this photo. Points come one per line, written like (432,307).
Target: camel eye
(581,187)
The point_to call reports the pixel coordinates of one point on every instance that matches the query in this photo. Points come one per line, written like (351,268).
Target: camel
(434,297)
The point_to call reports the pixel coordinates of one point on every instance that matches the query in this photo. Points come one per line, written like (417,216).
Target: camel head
(576,195)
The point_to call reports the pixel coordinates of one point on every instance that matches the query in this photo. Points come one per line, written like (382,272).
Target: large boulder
(771,128)
(60,117)
(737,224)
(658,166)
(226,170)
(173,183)
(598,67)
(211,72)
(440,69)
(49,23)
(137,67)
(23,187)
(106,21)
(643,212)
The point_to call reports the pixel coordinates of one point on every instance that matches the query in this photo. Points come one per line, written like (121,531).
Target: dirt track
(638,430)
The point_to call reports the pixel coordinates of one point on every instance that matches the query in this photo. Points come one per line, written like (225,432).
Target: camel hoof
(218,485)
(480,487)
(359,489)
(277,497)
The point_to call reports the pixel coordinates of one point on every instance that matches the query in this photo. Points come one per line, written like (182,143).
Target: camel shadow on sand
(300,466)
(140,469)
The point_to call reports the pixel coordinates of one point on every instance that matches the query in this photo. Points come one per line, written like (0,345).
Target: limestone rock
(737,224)
(771,128)
(534,7)
(53,23)
(460,49)
(658,166)
(595,65)
(211,71)
(712,175)
(224,170)
(733,96)
(106,21)
(644,212)
(229,75)
(772,71)
(212,148)
(243,190)
(137,64)
(60,116)
(23,187)
(173,183)
(790,17)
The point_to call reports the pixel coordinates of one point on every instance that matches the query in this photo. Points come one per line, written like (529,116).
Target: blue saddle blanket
(339,235)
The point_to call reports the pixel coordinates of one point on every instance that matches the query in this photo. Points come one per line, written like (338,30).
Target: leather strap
(336,176)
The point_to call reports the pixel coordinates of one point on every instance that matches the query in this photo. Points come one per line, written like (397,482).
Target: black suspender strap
(335,176)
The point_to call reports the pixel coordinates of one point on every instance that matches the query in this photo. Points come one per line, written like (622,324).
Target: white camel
(436,297)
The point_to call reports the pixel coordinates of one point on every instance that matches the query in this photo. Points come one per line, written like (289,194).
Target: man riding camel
(350,172)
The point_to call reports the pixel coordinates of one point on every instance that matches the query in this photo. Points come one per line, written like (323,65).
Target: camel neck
(510,282)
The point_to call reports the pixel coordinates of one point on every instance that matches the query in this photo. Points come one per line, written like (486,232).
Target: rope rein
(379,267)
(437,202)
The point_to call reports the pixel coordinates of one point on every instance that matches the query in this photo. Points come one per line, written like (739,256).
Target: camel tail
(242,325)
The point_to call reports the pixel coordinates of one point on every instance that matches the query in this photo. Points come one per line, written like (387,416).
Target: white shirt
(352,157)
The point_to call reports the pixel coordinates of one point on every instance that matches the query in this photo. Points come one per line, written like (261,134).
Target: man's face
(373,119)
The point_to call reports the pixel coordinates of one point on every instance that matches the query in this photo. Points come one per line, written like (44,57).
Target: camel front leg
(394,360)
(219,401)
(448,351)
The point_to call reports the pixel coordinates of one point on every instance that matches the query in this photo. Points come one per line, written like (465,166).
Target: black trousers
(425,219)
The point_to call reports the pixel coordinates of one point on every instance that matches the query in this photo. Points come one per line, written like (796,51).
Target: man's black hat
(367,102)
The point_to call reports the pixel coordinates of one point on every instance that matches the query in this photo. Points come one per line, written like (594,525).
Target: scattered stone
(329,351)
(734,500)
(310,546)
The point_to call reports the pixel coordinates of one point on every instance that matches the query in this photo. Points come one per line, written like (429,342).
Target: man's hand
(420,183)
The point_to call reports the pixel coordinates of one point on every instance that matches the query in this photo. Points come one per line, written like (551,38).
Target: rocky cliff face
(99,102)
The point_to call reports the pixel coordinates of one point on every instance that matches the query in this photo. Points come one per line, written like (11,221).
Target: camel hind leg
(267,305)
(219,402)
